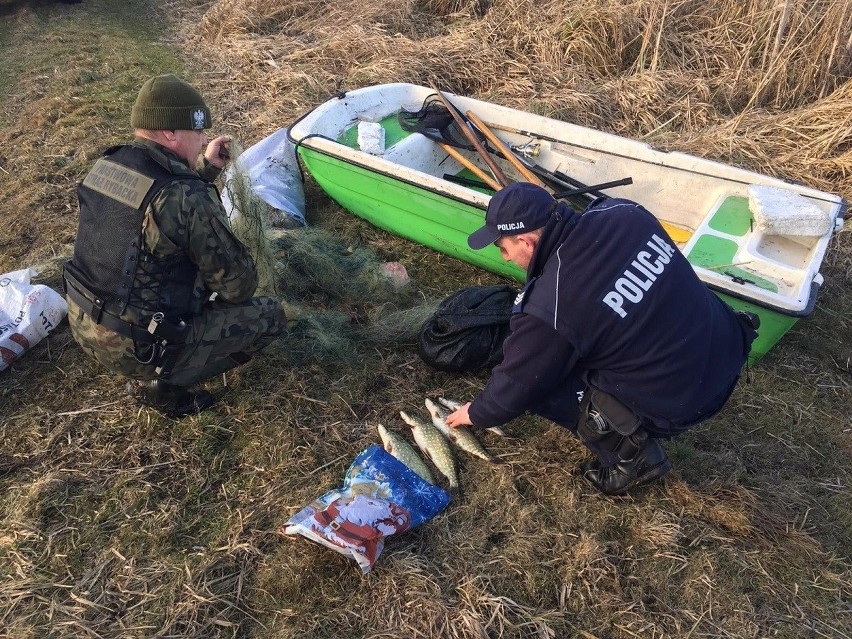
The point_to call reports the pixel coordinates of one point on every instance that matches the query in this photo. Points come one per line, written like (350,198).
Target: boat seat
(421,154)
(729,242)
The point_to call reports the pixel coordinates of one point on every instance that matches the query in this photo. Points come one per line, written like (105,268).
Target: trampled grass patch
(118,522)
(68,77)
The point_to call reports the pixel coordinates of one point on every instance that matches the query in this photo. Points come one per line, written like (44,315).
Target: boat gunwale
(806,310)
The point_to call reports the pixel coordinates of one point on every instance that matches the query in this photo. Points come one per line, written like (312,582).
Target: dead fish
(453,405)
(399,447)
(461,436)
(435,446)
(450,404)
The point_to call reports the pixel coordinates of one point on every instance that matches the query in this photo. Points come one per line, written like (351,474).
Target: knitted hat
(167,103)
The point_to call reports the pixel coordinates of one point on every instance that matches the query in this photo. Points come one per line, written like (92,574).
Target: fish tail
(455,491)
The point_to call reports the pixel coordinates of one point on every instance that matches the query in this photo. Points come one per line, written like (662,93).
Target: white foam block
(371,138)
(779,211)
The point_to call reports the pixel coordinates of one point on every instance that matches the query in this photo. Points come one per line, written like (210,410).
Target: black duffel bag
(466,333)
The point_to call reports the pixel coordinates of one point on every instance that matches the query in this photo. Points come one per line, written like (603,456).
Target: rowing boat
(414,187)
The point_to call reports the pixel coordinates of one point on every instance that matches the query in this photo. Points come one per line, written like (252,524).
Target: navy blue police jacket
(610,300)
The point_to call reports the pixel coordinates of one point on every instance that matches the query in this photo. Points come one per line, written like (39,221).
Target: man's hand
(218,151)
(459,417)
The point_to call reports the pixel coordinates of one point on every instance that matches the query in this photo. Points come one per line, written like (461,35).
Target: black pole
(594,188)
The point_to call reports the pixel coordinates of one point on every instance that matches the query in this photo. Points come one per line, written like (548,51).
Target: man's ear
(531,241)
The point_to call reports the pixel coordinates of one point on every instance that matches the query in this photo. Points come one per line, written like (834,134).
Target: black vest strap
(93,306)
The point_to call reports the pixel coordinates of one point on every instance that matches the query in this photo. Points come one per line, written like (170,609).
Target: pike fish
(435,446)
(397,446)
(452,405)
(461,436)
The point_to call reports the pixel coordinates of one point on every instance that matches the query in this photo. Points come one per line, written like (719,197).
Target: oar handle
(471,137)
(506,151)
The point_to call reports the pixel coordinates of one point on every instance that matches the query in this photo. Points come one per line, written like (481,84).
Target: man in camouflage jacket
(159,289)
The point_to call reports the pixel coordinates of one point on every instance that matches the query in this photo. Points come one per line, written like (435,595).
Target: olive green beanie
(167,103)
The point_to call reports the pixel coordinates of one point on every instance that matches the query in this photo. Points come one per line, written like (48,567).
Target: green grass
(93,54)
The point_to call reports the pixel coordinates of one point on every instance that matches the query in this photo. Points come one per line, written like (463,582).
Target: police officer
(159,289)
(613,335)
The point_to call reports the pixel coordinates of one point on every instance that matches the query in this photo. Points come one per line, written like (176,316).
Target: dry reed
(638,69)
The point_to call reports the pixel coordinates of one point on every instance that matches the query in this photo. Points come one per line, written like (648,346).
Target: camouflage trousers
(221,338)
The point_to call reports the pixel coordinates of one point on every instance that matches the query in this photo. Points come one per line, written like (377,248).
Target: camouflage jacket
(187,217)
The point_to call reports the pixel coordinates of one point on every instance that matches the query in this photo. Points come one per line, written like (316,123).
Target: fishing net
(436,122)
(327,336)
(311,261)
(250,226)
(319,336)
(392,325)
(336,297)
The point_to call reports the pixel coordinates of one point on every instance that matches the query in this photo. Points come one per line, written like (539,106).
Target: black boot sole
(650,475)
(654,473)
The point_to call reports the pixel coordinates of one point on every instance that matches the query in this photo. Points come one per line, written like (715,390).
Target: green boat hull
(407,210)
(443,223)
(773,325)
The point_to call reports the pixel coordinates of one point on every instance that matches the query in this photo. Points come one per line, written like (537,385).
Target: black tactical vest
(108,250)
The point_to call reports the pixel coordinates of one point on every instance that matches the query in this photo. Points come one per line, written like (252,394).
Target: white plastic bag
(28,312)
(273,172)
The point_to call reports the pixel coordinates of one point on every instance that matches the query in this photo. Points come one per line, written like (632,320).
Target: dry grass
(675,71)
(117,522)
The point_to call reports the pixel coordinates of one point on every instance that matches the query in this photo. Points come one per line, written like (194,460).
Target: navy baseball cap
(518,208)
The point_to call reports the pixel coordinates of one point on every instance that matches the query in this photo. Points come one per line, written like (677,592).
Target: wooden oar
(505,150)
(471,137)
(482,175)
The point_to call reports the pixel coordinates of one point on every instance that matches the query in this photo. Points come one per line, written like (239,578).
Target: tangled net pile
(336,297)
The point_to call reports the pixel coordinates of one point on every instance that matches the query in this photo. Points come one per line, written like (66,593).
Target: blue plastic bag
(380,497)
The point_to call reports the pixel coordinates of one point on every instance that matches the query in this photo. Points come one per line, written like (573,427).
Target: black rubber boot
(641,460)
(598,435)
(174,401)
